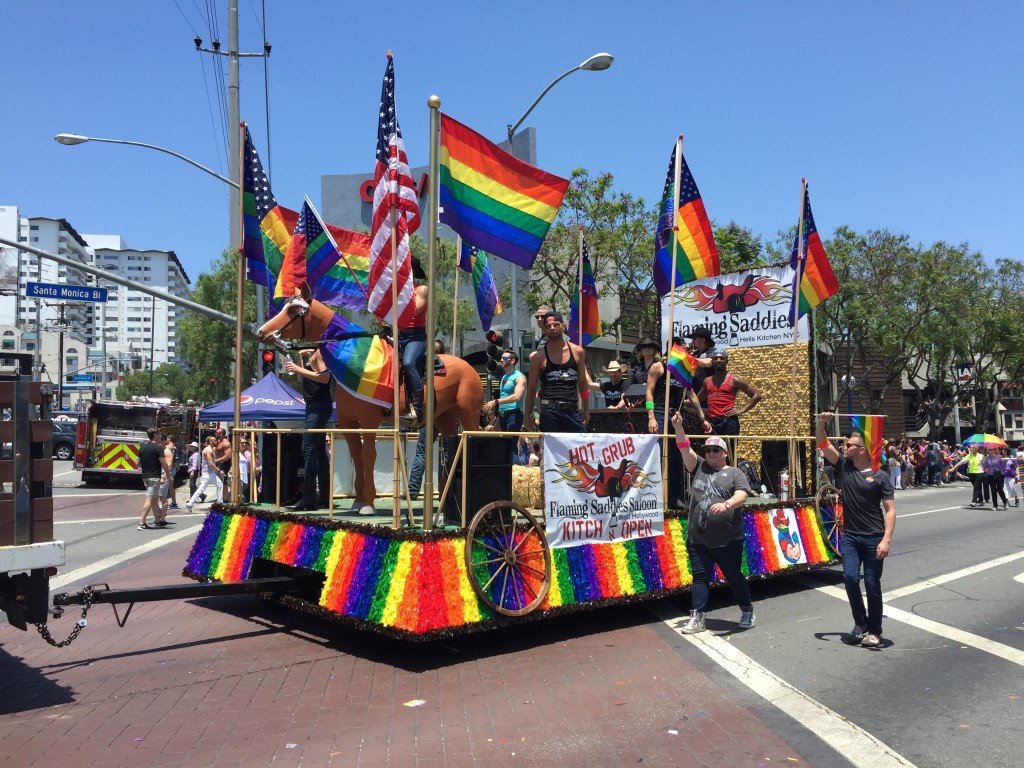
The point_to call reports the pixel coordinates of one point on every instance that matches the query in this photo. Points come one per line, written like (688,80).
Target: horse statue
(458,392)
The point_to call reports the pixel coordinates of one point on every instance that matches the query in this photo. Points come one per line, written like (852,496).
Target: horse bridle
(300,315)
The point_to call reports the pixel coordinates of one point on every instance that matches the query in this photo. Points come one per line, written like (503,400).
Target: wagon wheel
(829,504)
(507,558)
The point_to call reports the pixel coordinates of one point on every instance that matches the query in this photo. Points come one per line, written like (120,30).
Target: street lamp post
(596,63)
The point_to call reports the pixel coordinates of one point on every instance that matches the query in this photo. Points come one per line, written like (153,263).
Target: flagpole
(795,317)
(677,171)
(434,104)
(455,305)
(396,435)
(579,289)
(239,309)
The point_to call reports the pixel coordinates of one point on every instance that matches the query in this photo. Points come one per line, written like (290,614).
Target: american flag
(394,207)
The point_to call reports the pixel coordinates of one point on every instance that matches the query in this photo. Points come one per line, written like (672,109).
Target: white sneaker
(189,507)
(748,619)
(694,624)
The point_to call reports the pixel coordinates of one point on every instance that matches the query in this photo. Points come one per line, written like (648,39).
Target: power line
(185,17)
(266,84)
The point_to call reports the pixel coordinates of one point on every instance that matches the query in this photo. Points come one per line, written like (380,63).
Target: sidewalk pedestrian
(869,520)
(992,465)
(974,473)
(895,467)
(715,534)
(153,468)
(210,474)
(1010,476)
(194,457)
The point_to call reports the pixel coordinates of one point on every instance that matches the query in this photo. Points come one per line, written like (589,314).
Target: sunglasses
(713,450)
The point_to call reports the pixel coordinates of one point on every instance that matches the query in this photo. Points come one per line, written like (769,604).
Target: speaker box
(489,476)
(292,465)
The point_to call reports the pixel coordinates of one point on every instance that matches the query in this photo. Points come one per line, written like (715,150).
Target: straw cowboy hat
(614,365)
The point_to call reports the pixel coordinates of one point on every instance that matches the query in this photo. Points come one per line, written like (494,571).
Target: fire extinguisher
(784,485)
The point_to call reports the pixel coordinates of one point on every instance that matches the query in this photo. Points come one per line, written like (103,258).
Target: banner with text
(742,309)
(600,488)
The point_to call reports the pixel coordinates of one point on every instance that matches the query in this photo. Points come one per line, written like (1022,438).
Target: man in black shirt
(154,468)
(869,518)
(614,387)
(316,391)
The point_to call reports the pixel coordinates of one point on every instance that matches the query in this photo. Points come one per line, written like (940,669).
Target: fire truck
(111,433)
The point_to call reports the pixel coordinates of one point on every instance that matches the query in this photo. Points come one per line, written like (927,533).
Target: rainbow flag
(494,200)
(871,430)
(817,281)
(310,253)
(696,254)
(682,365)
(267,226)
(361,363)
(344,284)
(488,304)
(591,324)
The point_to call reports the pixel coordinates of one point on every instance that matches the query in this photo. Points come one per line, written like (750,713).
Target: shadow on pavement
(24,688)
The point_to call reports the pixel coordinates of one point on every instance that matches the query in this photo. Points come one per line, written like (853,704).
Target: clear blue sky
(901,115)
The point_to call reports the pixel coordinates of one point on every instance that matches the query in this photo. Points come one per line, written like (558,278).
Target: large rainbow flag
(591,320)
(696,254)
(495,201)
(488,303)
(361,363)
(267,226)
(817,281)
(872,432)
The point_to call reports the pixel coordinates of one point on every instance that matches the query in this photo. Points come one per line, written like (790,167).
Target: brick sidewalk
(233,681)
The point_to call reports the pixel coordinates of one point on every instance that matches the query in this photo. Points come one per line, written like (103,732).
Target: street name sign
(65,292)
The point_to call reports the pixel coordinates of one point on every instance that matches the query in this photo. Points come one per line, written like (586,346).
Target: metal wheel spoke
(494,576)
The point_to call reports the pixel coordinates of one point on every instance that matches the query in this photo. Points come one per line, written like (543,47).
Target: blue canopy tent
(269,399)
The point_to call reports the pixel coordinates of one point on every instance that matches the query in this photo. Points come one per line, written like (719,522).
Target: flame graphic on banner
(604,481)
(734,298)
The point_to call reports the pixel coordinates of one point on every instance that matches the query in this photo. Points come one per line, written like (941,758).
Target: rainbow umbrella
(985,440)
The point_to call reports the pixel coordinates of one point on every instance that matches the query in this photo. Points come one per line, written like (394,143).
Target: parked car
(64,439)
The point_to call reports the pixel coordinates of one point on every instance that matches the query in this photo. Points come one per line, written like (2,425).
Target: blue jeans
(416,468)
(511,421)
(412,345)
(729,558)
(726,425)
(858,550)
(554,419)
(314,454)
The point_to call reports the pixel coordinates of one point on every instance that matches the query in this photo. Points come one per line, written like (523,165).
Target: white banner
(601,488)
(742,309)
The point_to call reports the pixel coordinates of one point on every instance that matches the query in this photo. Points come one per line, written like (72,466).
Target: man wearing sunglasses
(714,532)
(869,518)
(558,373)
(509,402)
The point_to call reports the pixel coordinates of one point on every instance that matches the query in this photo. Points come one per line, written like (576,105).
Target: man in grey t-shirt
(714,531)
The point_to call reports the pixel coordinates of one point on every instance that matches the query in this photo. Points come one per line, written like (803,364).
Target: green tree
(208,346)
(168,381)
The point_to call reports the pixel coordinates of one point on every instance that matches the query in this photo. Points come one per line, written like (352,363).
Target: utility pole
(234,119)
(60,359)
(152,339)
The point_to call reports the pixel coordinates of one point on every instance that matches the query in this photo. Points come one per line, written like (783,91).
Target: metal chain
(79,625)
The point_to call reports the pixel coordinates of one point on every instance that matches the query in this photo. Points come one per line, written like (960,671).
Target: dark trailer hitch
(297,583)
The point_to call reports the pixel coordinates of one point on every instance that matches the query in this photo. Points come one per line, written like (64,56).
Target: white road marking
(929,511)
(945,578)
(942,630)
(850,740)
(110,562)
(1019,577)
(69,472)
(132,518)
(98,495)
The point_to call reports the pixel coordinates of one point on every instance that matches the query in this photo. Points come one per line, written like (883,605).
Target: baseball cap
(716,442)
(554,314)
(720,353)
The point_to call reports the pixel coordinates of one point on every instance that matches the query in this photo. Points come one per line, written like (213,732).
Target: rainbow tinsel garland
(416,585)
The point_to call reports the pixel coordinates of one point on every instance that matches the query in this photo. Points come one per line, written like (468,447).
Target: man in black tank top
(559,372)
(317,392)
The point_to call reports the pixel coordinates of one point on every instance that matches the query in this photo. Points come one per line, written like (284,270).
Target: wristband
(683,443)
(823,445)
(649,405)
(585,395)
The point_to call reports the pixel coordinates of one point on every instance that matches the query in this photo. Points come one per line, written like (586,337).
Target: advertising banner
(600,488)
(742,309)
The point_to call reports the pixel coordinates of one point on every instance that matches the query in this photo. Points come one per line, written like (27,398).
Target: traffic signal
(495,346)
(269,361)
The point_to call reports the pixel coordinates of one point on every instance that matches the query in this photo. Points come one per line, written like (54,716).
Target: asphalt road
(945,689)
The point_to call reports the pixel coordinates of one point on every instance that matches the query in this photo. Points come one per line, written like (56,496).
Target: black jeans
(977,482)
(554,419)
(857,551)
(995,489)
(314,454)
(729,558)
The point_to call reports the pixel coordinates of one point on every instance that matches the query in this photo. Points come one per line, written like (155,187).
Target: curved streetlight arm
(514,127)
(172,153)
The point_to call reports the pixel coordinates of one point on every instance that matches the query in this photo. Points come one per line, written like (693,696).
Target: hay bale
(526,487)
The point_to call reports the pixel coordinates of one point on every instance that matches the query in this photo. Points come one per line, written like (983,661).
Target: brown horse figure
(458,393)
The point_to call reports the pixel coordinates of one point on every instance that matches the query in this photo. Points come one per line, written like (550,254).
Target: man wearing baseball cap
(714,532)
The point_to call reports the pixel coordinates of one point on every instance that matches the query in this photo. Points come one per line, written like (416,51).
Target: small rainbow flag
(682,365)
(497,202)
(696,254)
(871,430)
(488,303)
(267,226)
(817,281)
(309,256)
(344,284)
(362,364)
(591,324)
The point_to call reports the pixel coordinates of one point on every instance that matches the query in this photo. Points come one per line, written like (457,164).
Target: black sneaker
(856,635)
(143,527)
